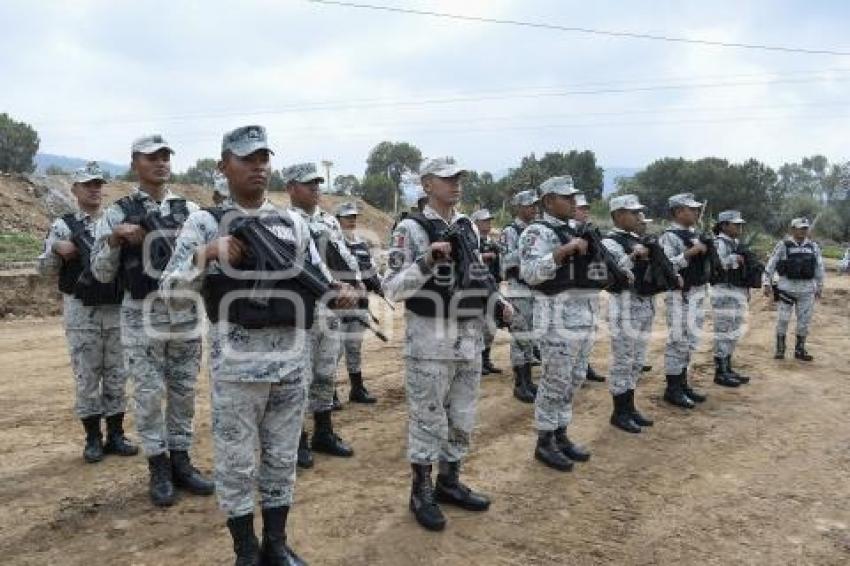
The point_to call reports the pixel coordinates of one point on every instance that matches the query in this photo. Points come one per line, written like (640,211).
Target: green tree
(203,172)
(18,145)
(379,191)
(580,165)
(482,191)
(346,185)
(276,181)
(391,158)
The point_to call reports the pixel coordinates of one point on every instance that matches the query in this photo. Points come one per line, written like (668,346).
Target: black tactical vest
(576,272)
(698,272)
(75,277)
(255,307)
(649,279)
(800,261)
(747,276)
(360,251)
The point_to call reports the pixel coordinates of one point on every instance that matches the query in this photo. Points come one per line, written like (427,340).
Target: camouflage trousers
(99,376)
(164,372)
(441,398)
(583,361)
(804,308)
(561,351)
(247,416)
(685,318)
(489,332)
(352,343)
(325,345)
(522,327)
(729,306)
(630,322)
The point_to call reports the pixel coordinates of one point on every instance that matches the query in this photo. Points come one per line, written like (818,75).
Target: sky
(330,82)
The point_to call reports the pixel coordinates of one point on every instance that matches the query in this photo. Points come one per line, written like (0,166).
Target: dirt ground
(757,475)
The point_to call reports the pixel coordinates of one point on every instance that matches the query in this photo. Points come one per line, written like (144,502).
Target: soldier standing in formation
(552,261)
(162,348)
(91,315)
(302,184)
(799,263)
(443,345)
(355,322)
(521,297)
(729,298)
(490,254)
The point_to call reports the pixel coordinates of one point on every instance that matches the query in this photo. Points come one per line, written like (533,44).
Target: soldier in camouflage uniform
(799,263)
(443,344)
(302,184)
(259,358)
(685,311)
(490,254)
(91,318)
(642,229)
(630,313)
(729,301)
(355,322)
(521,297)
(162,348)
(582,216)
(552,260)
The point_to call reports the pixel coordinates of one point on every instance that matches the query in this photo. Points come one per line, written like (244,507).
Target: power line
(591,31)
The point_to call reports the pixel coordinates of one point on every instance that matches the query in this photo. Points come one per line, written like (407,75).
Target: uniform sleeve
(674,249)
(769,269)
(510,245)
(619,254)
(724,251)
(537,263)
(48,262)
(820,268)
(105,260)
(182,273)
(406,267)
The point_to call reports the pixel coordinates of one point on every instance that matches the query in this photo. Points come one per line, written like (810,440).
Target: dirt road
(755,476)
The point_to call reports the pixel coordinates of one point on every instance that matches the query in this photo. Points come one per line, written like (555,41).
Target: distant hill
(613,173)
(45,160)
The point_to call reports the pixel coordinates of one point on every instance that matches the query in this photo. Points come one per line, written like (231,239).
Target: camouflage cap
(220,185)
(525,198)
(148,144)
(683,200)
(801,222)
(733,216)
(347,209)
(301,173)
(558,186)
(443,167)
(581,200)
(625,202)
(91,172)
(244,141)
(481,214)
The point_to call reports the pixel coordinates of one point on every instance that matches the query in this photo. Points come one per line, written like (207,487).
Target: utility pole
(327,164)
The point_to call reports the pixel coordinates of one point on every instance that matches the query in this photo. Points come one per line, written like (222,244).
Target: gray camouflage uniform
(164,363)
(802,290)
(587,346)
(259,380)
(93,334)
(521,297)
(352,330)
(563,323)
(630,318)
(685,312)
(442,357)
(728,302)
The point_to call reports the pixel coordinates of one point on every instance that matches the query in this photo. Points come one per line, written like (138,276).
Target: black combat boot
(622,417)
(695,396)
(422,503)
(591,375)
(93,452)
(487,366)
(674,394)
(742,378)
(645,369)
(186,476)
(325,440)
(305,455)
(274,550)
(573,451)
(450,490)
(359,393)
(337,404)
(638,418)
(245,544)
(161,488)
(721,375)
(780,347)
(522,378)
(548,452)
(116,442)
(800,352)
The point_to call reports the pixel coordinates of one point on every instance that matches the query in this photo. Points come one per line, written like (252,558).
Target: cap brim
(449,172)
(89,178)
(631,208)
(147,150)
(309,178)
(738,221)
(248,150)
(647,220)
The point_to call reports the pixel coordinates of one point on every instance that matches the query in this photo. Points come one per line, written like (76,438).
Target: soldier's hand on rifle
(438,252)
(697,249)
(129,234)
(489,257)
(768,291)
(739,260)
(640,251)
(66,250)
(576,246)
(346,296)
(507,312)
(680,281)
(226,249)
